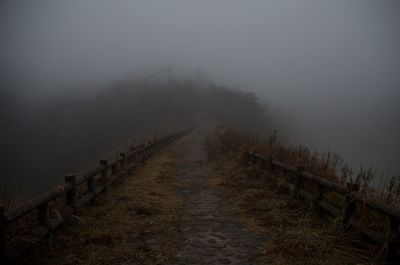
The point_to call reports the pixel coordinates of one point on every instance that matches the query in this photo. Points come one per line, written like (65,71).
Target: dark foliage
(44,145)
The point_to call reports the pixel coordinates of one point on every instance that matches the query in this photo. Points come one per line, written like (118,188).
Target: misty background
(330,70)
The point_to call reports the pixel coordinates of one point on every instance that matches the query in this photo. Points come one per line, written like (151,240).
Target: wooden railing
(75,192)
(352,200)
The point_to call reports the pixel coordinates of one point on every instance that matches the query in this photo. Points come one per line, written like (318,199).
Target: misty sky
(330,69)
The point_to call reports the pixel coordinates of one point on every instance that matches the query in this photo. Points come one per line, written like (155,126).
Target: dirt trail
(211,235)
(167,212)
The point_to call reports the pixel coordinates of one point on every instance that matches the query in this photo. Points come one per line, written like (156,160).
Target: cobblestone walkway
(211,234)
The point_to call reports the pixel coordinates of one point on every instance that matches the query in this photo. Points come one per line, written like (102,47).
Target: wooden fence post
(92,188)
(144,153)
(271,170)
(317,198)
(247,157)
(270,164)
(298,182)
(104,163)
(44,218)
(104,180)
(263,164)
(349,205)
(114,172)
(72,199)
(136,154)
(2,235)
(122,163)
(252,159)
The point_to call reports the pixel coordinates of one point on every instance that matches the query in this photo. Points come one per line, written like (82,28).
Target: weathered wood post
(317,198)
(254,158)
(246,155)
(271,169)
(349,206)
(2,235)
(104,163)
(299,181)
(92,188)
(150,147)
(263,164)
(250,158)
(144,153)
(114,172)
(72,199)
(137,155)
(44,217)
(44,220)
(270,163)
(104,173)
(122,164)
(140,153)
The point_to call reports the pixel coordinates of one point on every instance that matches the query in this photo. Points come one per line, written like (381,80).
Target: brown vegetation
(327,165)
(298,235)
(136,223)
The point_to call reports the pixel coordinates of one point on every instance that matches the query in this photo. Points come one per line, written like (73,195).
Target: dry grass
(327,165)
(298,236)
(135,222)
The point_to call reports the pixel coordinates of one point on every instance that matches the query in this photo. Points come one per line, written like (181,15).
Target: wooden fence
(78,191)
(352,202)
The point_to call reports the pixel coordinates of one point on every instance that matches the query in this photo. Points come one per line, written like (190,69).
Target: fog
(330,70)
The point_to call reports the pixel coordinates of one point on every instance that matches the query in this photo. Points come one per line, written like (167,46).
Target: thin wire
(136,82)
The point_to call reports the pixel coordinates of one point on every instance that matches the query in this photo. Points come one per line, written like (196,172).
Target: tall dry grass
(328,165)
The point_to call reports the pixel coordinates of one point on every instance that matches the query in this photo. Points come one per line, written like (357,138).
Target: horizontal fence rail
(389,239)
(96,182)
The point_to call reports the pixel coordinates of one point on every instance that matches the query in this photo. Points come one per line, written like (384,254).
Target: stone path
(211,235)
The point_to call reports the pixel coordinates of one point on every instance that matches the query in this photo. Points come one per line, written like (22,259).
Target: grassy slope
(135,222)
(298,235)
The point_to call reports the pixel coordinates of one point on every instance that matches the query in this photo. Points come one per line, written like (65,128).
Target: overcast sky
(331,68)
